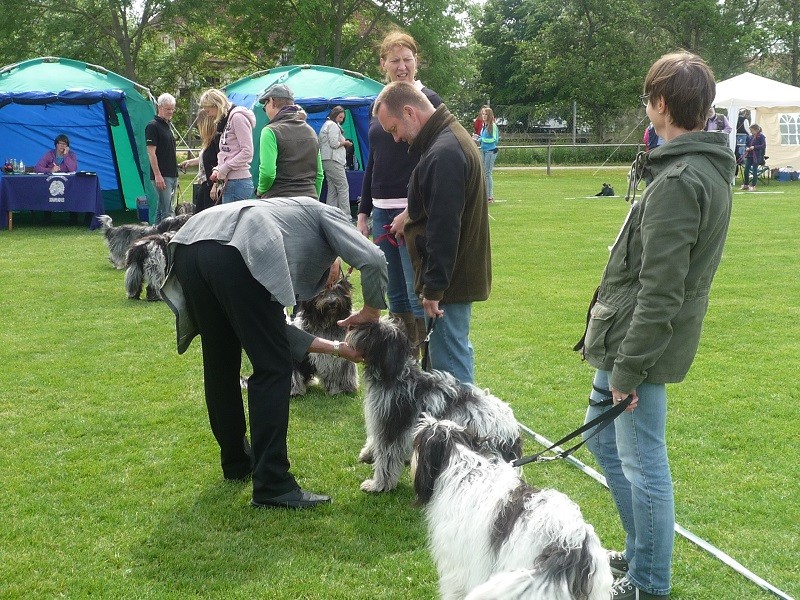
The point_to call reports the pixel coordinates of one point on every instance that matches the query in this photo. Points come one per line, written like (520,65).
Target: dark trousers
(233,311)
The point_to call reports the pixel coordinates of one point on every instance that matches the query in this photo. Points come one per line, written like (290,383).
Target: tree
(499,36)
(111,33)
(589,53)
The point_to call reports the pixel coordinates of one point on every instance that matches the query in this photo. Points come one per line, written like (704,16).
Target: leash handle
(426,355)
(600,422)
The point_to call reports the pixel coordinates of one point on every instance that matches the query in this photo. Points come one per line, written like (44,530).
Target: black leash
(426,355)
(600,422)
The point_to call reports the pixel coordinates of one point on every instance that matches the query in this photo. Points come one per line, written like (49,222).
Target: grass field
(111,486)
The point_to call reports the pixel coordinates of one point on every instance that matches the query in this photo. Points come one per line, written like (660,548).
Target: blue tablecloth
(51,192)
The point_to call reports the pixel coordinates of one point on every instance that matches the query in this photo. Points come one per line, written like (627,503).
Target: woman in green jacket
(644,327)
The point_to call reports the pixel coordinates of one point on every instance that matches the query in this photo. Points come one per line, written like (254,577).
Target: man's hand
(398,223)
(431,308)
(367,314)
(160,183)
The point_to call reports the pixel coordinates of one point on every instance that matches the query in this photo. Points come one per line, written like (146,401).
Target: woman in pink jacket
(232,173)
(58,160)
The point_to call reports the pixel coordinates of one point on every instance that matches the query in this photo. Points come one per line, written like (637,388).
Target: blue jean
(165,198)
(400,288)
(750,166)
(632,452)
(238,189)
(449,347)
(488,167)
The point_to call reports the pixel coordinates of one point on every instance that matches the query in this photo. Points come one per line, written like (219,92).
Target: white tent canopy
(756,94)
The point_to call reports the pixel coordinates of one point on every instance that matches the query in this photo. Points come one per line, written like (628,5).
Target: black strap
(426,355)
(608,399)
(601,422)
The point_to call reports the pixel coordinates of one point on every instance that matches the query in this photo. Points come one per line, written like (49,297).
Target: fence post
(549,153)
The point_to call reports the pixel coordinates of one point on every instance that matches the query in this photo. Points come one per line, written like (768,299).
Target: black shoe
(297,498)
(617,562)
(623,589)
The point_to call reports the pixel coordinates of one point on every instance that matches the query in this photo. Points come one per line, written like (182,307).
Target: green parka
(653,296)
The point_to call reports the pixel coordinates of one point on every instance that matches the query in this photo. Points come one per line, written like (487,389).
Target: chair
(764,172)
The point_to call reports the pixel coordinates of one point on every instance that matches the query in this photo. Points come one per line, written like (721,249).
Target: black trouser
(234,311)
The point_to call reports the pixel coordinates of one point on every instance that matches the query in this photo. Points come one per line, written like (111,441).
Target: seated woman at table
(60,159)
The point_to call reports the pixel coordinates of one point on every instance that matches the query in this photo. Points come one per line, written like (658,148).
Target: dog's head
(184,208)
(332,304)
(105,222)
(435,443)
(171,223)
(384,346)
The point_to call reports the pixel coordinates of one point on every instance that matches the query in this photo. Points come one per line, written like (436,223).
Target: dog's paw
(372,486)
(365,456)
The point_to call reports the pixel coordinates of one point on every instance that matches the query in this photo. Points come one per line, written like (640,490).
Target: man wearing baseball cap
(290,160)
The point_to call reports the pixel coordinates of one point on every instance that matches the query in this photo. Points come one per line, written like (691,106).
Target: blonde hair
(490,121)
(207,129)
(216,98)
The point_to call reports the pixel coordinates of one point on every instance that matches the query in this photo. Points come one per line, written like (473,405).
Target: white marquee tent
(769,102)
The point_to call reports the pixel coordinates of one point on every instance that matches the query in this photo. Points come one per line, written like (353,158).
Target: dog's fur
(318,317)
(184,208)
(119,239)
(398,391)
(483,520)
(147,260)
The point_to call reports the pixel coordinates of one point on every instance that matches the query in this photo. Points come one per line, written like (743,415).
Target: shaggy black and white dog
(119,239)
(318,317)
(398,391)
(147,260)
(493,535)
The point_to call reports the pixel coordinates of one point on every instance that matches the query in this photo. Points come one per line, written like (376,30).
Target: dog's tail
(134,274)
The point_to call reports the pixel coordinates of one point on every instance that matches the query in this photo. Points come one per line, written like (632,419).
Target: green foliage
(111,479)
(566,155)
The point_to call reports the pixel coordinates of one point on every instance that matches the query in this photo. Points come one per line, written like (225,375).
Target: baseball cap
(276,90)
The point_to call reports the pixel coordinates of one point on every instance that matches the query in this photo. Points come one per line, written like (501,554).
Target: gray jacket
(653,296)
(331,139)
(288,245)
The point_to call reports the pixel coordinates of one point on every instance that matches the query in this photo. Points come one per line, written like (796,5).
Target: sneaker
(619,566)
(752,188)
(745,187)
(623,589)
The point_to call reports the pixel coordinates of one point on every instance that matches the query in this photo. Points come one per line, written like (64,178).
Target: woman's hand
(362,225)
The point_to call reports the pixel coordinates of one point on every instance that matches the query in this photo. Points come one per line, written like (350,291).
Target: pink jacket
(45,164)
(236,145)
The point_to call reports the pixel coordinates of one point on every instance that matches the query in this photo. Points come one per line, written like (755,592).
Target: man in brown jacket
(447,231)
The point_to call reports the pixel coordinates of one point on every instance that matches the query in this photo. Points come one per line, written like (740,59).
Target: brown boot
(406,319)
